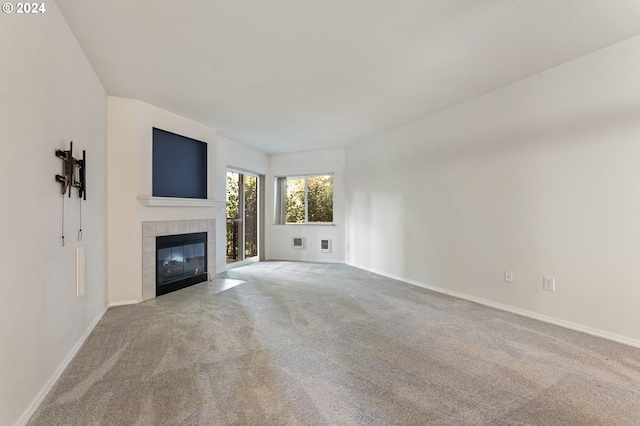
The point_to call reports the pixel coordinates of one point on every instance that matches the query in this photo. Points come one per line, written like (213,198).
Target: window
(242,216)
(304,199)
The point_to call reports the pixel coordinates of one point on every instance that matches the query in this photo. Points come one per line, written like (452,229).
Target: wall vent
(325,246)
(298,242)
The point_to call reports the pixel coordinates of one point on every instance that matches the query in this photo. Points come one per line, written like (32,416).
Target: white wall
(540,177)
(131,124)
(236,155)
(49,96)
(279,236)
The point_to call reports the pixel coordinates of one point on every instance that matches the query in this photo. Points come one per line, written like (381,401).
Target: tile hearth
(153,229)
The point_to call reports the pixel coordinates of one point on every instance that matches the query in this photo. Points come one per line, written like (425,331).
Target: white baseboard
(241,263)
(551,320)
(56,375)
(342,262)
(125,302)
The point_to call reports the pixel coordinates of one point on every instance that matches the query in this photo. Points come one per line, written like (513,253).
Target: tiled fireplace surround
(153,229)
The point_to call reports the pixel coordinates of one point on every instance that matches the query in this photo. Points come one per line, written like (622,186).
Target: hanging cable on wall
(80,182)
(80,230)
(65,178)
(62,230)
(73,175)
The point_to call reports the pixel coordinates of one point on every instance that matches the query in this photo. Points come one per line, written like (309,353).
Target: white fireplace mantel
(147,200)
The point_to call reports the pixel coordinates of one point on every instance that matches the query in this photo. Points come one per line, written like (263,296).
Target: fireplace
(153,229)
(181,261)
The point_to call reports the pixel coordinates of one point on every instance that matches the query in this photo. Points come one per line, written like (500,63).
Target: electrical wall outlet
(508,276)
(548,283)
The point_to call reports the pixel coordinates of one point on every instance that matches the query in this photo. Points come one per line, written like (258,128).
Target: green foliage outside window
(319,199)
(233,193)
(235,218)
(233,205)
(295,200)
(250,216)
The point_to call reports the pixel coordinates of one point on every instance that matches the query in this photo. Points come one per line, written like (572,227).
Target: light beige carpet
(303,343)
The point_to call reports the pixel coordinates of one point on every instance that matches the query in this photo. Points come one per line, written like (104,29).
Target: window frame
(242,257)
(280,204)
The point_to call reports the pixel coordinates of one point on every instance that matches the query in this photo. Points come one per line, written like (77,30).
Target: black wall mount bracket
(73,172)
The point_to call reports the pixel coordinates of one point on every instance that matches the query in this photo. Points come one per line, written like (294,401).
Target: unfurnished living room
(296,212)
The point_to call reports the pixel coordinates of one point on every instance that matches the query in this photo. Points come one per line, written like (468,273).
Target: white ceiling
(297,75)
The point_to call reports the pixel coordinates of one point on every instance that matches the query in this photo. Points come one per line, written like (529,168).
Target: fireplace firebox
(181,261)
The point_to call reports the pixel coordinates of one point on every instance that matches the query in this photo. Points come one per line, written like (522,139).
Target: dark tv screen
(179,166)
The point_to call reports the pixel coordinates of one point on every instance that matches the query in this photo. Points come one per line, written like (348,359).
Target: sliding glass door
(242,216)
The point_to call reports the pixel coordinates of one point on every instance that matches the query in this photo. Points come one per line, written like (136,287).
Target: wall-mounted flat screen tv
(179,166)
